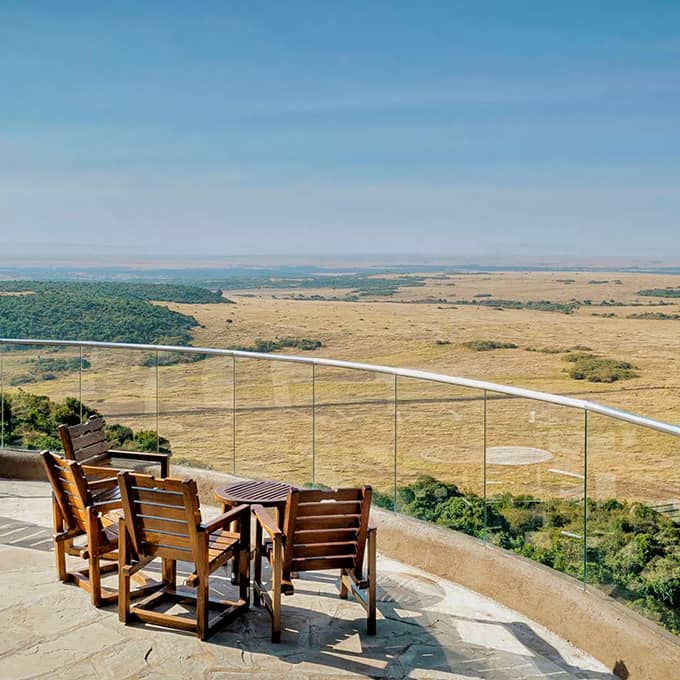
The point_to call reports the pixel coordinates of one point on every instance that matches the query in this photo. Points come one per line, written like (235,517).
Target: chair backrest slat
(160,515)
(326,529)
(323,508)
(70,489)
(85,443)
(329,522)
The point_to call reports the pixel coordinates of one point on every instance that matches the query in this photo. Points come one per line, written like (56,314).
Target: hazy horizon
(105,267)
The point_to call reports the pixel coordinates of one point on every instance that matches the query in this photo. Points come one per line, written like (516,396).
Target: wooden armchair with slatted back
(162,519)
(321,530)
(77,514)
(87,443)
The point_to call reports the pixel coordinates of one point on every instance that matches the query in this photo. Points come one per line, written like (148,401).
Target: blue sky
(452,128)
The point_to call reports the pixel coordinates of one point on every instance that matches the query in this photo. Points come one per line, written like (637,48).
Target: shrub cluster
(267,346)
(596,369)
(658,316)
(559,350)
(539,305)
(46,368)
(31,421)
(170,358)
(488,345)
(661,292)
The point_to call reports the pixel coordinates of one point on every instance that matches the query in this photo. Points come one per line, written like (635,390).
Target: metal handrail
(570,402)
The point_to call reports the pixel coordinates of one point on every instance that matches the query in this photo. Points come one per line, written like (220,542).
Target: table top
(250,491)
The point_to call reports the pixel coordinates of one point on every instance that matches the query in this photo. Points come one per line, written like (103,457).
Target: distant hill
(162,292)
(108,312)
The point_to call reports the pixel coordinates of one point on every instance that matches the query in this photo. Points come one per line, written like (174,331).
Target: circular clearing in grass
(516,455)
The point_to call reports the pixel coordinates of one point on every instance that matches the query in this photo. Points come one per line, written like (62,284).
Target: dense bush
(559,350)
(171,358)
(632,548)
(145,440)
(539,305)
(161,292)
(45,368)
(661,292)
(266,346)
(597,369)
(31,420)
(74,316)
(488,345)
(657,316)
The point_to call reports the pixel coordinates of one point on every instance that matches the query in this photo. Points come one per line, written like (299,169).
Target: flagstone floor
(427,627)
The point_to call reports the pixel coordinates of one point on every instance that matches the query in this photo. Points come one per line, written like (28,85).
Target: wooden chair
(163,520)
(75,514)
(87,444)
(321,530)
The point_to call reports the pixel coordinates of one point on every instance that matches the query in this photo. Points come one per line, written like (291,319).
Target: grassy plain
(439,427)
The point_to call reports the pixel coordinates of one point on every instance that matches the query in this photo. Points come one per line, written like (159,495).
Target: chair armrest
(102,484)
(267,521)
(235,514)
(152,456)
(163,459)
(99,479)
(98,476)
(108,506)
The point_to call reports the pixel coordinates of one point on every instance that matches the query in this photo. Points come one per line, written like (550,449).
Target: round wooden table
(249,492)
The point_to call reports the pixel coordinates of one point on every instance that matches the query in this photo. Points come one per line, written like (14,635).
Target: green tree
(68,412)
(422,498)
(119,435)
(145,440)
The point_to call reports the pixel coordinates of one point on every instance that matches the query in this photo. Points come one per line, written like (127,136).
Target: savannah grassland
(439,427)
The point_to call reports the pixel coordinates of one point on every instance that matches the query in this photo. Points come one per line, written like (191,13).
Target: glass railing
(591,491)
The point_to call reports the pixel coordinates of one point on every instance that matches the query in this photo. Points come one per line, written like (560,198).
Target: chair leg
(59,544)
(60,556)
(235,563)
(344,592)
(372,585)
(244,575)
(94,572)
(169,572)
(123,573)
(257,577)
(202,606)
(277,575)
(244,558)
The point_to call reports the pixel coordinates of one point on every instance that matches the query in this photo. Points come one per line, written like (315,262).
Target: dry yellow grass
(439,427)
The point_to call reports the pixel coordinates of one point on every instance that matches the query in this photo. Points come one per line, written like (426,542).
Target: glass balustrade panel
(41,389)
(534,481)
(120,385)
(634,517)
(195,408)
(440,445)
(273,436)
(354,441)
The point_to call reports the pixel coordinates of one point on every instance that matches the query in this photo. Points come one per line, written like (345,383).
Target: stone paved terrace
(427,628)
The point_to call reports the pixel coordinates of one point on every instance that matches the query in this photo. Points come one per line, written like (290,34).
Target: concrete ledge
(21,464)
(627,643)
(630,645)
